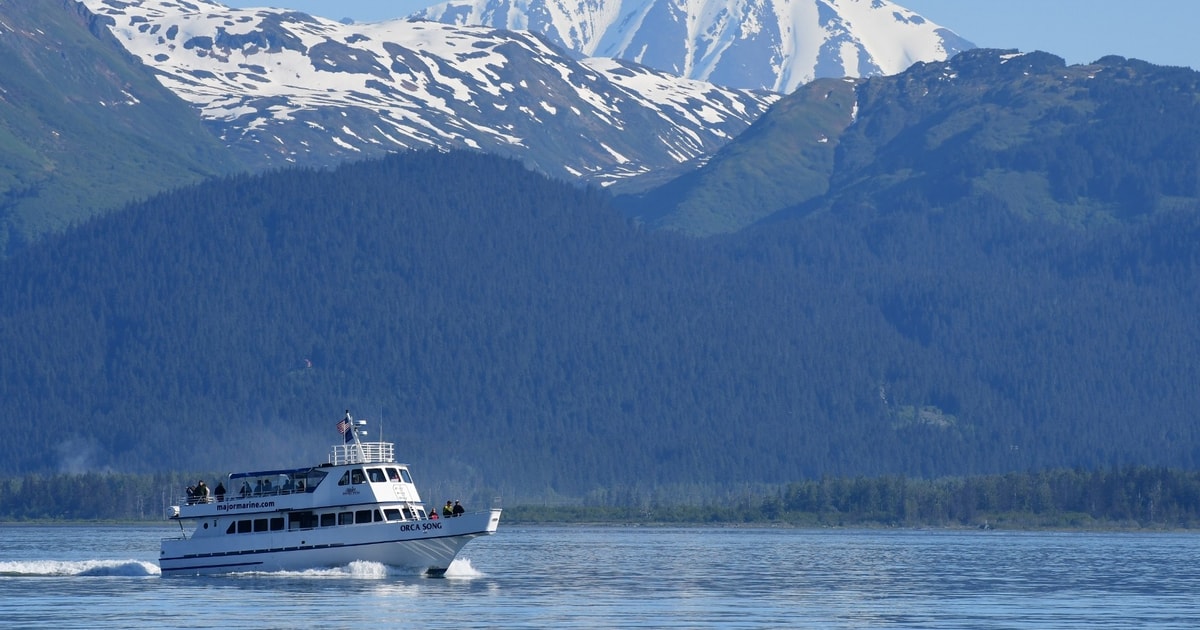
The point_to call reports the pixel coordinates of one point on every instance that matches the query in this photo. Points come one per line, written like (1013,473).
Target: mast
(352,429)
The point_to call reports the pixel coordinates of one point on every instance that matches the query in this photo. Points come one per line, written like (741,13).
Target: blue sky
(1080,31)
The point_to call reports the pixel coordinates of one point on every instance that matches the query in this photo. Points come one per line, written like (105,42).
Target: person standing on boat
(459,509)
(220,491)
(201,492)
(447,510)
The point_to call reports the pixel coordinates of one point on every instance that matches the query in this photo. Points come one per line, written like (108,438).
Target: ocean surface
(630,577)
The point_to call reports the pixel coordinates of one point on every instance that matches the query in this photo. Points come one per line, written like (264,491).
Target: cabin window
(376,475)
(362,516)
(404,473)
(314,479)
(302,520)
(277,524)
(346,518)
(260,525)
(392,514)
(408,513)
(232,527)
(328,520)
(345,480)
(243,527)
(393,475)
(357,477)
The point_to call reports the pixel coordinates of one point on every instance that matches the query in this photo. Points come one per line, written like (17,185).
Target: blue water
(626,577)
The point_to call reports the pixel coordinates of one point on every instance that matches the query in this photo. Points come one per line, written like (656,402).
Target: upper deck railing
(363,453)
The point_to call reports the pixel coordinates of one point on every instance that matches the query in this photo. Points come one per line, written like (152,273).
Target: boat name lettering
(244,505)
(419,527)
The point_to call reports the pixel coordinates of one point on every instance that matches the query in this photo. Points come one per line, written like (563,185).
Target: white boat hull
(428,546)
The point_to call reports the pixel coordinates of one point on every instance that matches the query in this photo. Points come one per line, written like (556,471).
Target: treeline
(1140,497)
(90,496)
(1130,497)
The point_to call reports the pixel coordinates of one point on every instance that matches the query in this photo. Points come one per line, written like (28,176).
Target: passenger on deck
(433,514)
(459,509)
(245,491)
(201,492)
(220,491)
(191,494)
(447,510)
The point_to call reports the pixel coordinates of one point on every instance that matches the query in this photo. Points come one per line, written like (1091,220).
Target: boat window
(314,479)
(362,516)
(328,520)
(408,513)
(346,518)
(232,527)
(345,478)
(356,476)
(404,473)
(302,520)
(260,524)
(393,475)
(243,527)
(277,524)
(376,475)
(392,514)
(378,516)
(420,513)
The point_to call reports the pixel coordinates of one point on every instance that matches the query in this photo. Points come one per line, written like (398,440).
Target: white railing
(371,453)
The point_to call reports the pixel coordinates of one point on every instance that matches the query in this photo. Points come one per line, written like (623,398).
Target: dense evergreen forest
(517,337)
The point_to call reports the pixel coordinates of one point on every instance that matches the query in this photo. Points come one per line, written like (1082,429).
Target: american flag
(343,426)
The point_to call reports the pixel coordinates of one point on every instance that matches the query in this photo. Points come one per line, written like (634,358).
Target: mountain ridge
(1022,130)
(282,87)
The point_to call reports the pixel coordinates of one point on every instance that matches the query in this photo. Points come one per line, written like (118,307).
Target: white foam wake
(91,568)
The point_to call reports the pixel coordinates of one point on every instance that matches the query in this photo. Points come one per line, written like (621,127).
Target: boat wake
(85,568)
(461,569)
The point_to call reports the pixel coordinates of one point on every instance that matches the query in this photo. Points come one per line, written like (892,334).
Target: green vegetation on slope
(84,127)
(1084,146)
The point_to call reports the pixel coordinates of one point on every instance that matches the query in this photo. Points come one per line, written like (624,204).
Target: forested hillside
(84,127)
(516,336)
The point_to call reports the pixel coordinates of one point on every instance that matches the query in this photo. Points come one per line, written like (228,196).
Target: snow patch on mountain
(304,89)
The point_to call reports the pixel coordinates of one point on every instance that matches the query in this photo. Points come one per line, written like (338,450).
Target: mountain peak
(757,44)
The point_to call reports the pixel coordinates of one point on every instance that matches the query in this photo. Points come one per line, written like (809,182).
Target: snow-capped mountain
(758,44)
(284,87)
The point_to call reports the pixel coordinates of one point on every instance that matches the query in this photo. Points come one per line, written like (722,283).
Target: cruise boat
(359,505)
